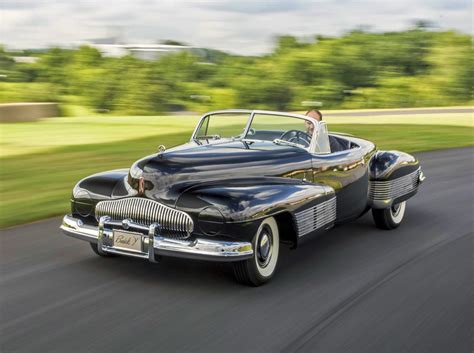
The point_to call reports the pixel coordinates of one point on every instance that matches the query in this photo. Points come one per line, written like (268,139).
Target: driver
(309,127)
(333,141)
(315,114)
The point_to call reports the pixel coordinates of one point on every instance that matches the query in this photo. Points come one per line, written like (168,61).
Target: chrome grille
(316,217)
(144,211)
(392,189)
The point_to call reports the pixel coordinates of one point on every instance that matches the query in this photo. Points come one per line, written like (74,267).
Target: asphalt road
(355,289)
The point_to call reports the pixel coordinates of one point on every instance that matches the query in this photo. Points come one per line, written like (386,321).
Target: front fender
(229,203)
(102,186)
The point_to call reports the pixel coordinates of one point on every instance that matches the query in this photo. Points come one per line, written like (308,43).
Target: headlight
(81,203)
(80,194)
(211,221)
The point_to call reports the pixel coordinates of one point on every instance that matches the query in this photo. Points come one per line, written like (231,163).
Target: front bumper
(154,245)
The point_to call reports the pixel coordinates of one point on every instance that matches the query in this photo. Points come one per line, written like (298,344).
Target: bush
(13,92)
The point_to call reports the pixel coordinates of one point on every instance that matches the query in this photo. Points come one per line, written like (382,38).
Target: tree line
(359,69)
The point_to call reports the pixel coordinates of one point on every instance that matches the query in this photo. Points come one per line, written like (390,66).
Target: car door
(346,172)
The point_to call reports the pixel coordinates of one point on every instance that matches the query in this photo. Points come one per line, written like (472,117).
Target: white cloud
(245,26)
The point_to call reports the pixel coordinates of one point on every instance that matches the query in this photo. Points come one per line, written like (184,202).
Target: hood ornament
(161,148)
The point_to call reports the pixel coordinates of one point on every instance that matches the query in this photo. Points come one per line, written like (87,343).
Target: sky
(237,26)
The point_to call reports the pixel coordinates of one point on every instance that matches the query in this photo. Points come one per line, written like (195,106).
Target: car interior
(292,133)
(336,143)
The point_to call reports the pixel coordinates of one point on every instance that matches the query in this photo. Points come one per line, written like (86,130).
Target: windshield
(281,129)
(222,125)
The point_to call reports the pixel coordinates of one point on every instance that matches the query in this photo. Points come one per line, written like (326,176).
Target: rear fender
(394,177)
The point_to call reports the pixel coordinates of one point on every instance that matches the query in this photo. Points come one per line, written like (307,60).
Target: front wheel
(389,218)
(261,267)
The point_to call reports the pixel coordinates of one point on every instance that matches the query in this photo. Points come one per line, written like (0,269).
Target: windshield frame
(194,136)
(311,148)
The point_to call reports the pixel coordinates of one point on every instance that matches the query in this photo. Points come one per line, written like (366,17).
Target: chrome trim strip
(382,193)
(388,190)
(319,216)
(203,249)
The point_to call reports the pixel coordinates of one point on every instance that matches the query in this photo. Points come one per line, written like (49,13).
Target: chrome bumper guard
(201,249)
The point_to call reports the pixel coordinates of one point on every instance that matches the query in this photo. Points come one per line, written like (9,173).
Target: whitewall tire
(266,247)
(389,218)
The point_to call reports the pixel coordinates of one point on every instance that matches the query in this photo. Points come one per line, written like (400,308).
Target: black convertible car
(246,182)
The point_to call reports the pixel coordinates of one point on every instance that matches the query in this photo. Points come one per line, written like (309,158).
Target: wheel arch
(287,228)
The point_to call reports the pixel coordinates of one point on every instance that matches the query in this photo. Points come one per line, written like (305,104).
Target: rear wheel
(266,245)
(389,218)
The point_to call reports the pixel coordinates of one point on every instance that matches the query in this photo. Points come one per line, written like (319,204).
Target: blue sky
(239,26)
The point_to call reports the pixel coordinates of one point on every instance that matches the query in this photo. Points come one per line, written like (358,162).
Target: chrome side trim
(383,192)
(146,212)
(202,249)
(320,216)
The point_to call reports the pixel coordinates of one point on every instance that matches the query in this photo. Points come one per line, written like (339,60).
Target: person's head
(315,114)
(309,127)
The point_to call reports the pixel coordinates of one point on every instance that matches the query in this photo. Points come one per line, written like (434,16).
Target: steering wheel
(297,136)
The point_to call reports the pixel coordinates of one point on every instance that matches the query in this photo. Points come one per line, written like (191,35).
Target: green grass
(411,138)
(40,162)
(35,186)
(47,134)
(452,119)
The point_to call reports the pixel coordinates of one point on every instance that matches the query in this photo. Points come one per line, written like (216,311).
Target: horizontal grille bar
(316,217)
(392,189)
(146,212)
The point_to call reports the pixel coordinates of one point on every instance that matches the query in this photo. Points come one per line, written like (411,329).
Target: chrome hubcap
(264,247)
(396,210)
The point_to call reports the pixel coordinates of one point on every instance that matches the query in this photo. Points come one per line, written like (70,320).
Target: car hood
(167,175)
